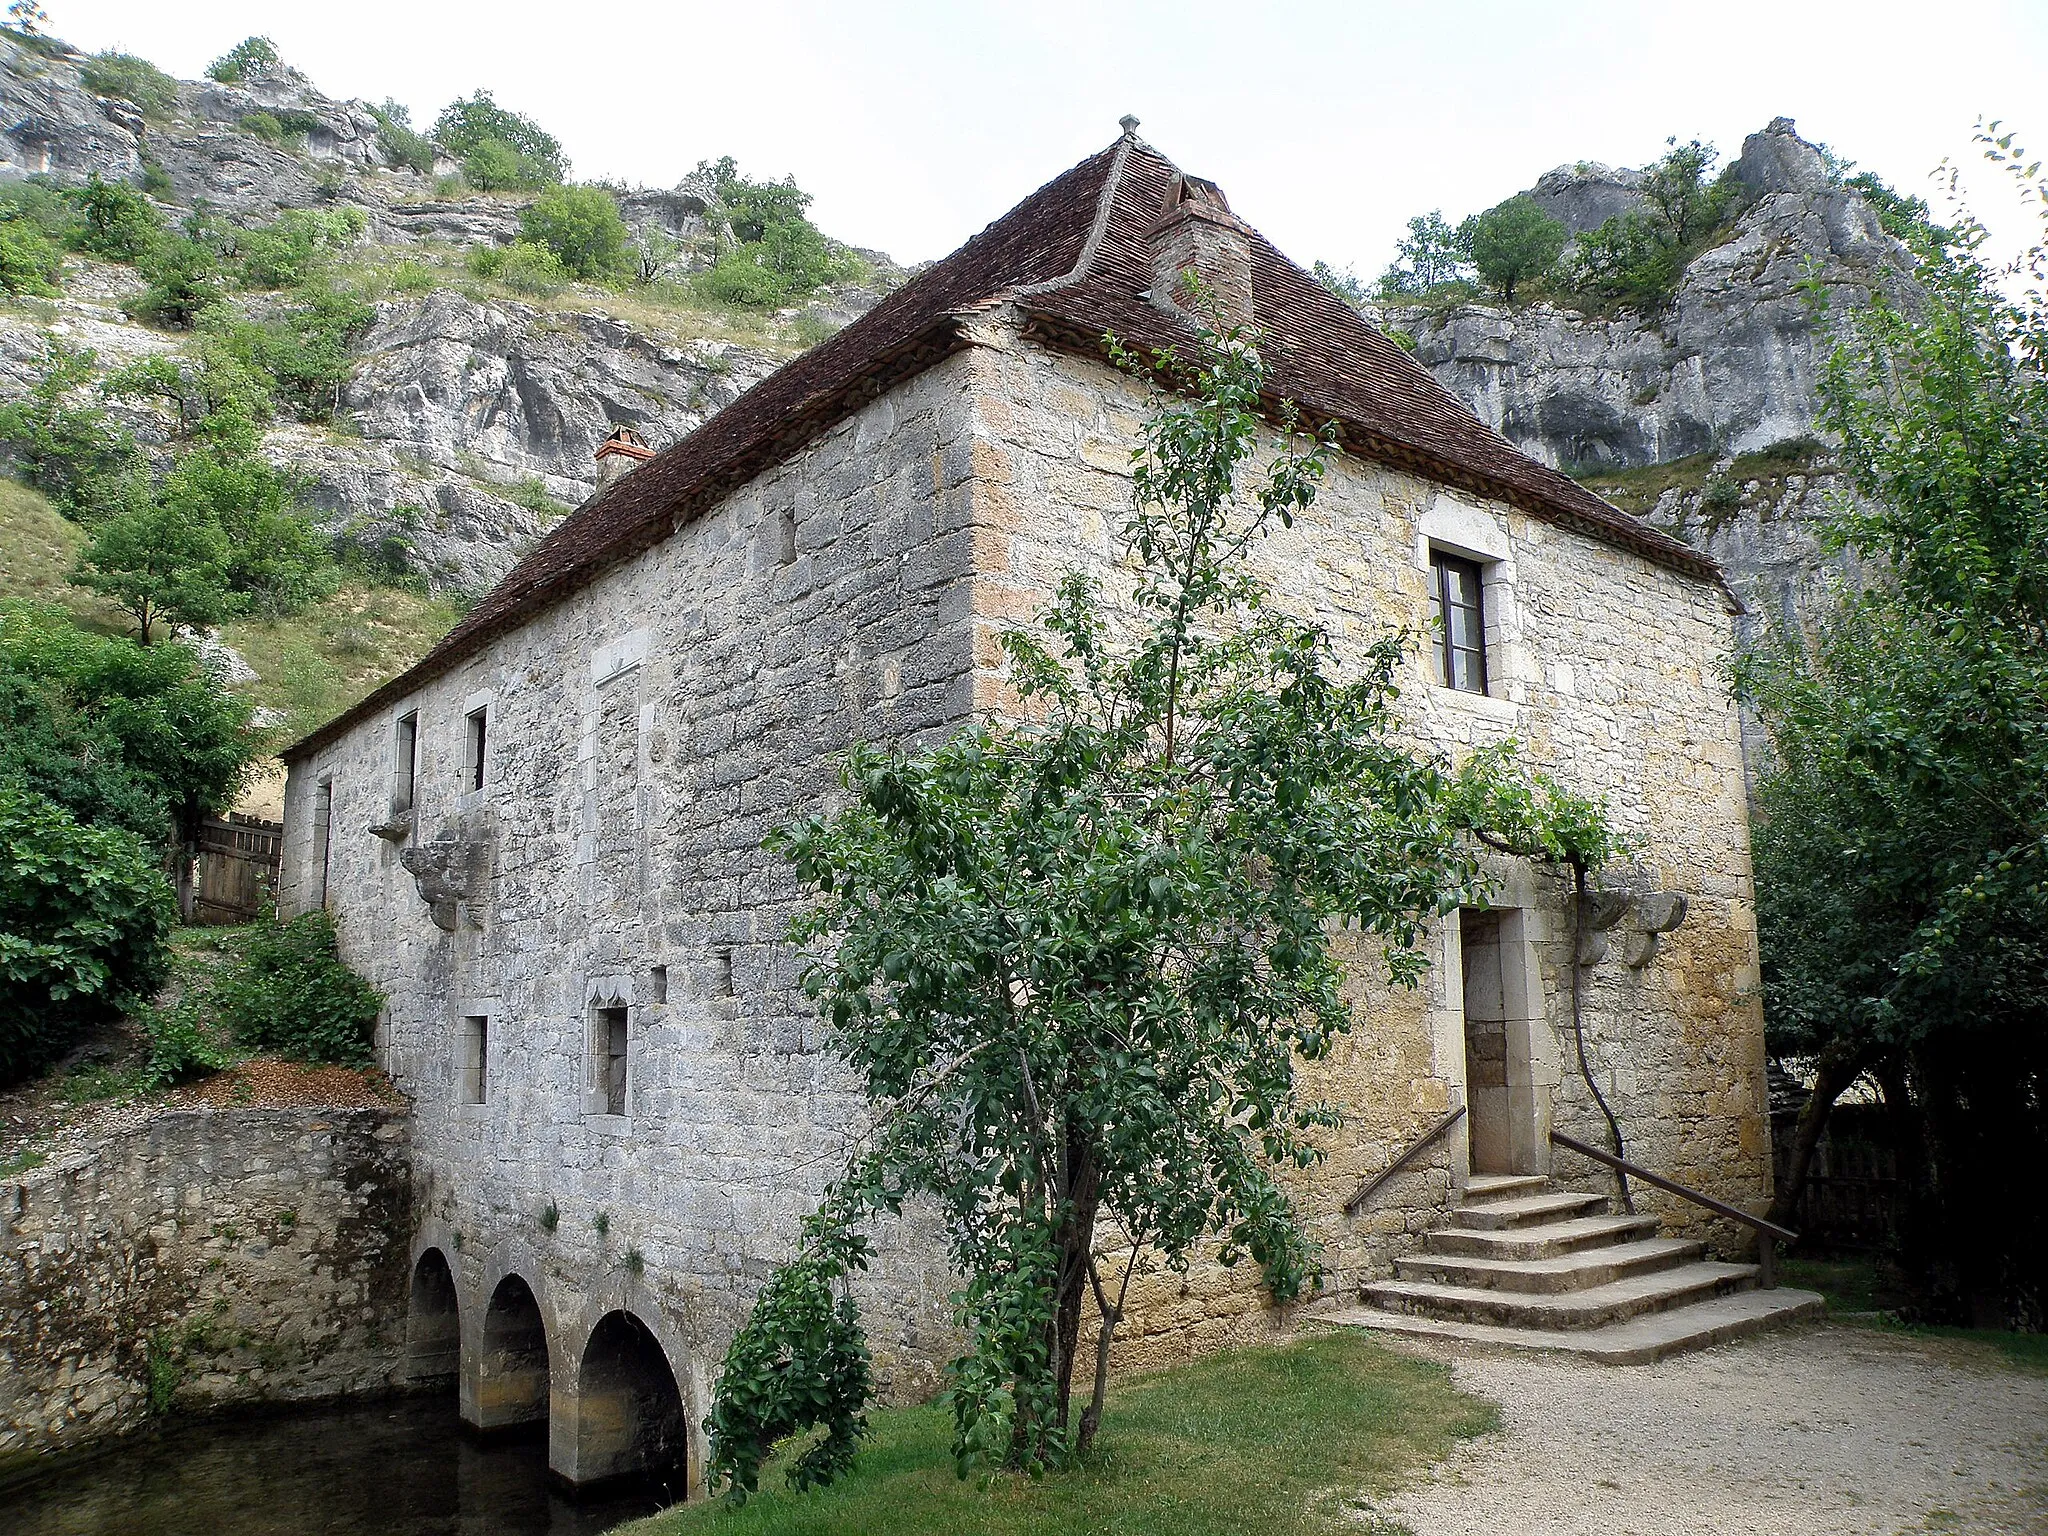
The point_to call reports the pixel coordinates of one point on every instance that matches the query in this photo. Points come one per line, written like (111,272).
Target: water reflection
(401,1468)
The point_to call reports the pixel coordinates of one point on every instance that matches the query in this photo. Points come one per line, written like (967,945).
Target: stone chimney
(1196,231)
(622,450)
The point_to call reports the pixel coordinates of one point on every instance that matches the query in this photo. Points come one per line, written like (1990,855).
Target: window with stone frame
(1461,618)
(405,760)
(610,1041)
(476,749)
(323,837)
(474,1060)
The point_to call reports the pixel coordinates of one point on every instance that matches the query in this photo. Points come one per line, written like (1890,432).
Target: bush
(531,270)
(181,1046)
(124,77)
(304,352)
(581,225)
(401,145)
(48,207)
(464,126)
(186,282)
(85,916)
(253,58)
(495,166)
(118,223)
(288,992)
(262,125)
(777,254)
(1515,243)
(29,264)
(283,253)
(72,453)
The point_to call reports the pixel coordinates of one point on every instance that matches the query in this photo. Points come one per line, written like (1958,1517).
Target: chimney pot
(622,450)
(1196,231)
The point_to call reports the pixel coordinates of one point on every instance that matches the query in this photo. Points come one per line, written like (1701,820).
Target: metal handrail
(1769,1233)
(1371,1186)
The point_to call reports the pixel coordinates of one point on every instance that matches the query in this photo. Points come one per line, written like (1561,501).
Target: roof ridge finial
(1129,124)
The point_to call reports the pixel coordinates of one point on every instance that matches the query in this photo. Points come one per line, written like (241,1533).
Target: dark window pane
(1461,613)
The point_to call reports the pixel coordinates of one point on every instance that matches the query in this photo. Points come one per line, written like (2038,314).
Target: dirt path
(1822,1431)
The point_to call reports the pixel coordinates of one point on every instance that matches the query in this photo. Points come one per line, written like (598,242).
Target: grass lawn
(1262,1442)
(1858,1292)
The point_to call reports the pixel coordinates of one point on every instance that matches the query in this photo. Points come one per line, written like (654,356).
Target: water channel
(396,1468)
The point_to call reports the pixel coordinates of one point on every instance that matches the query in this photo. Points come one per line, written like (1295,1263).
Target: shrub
(253,58)
(29,263)
(581,225)
(304,352)
(532,270)
(181,1046)
(463,126)
(84,920)
(156,181)
(777,254)
(495,166)
(124,77)
(118,222)
(72,453)
(263,125)
(288,991)
(48,207)
(401,145)
(283,253)
(186,282)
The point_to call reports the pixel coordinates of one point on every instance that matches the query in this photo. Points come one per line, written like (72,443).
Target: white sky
(916,122)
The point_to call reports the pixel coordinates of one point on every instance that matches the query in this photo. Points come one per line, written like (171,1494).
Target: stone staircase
(1525,1264)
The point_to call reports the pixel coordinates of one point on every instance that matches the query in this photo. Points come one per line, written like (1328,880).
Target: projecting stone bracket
(396,830)
(1655,915)
(448,872)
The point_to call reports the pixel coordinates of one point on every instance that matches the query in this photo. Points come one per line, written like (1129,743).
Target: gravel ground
(1819,1431)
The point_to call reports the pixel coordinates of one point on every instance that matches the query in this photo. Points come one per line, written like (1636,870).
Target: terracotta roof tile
(1073,256)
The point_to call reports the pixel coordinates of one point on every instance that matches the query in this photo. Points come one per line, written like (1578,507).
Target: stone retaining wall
(200,1258)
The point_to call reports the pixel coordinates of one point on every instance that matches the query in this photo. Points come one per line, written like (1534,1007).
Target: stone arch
(511,1382)
(433,1323)
(630,1416)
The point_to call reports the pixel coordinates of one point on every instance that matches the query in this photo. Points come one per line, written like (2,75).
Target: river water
(398,1468)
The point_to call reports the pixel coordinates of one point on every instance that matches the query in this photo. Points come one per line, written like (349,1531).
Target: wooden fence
(236,868)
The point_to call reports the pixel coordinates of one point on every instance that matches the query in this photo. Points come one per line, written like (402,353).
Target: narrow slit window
(476,1058)
(612,1041)
(476,750)
(1461,613)
(323,837)
(405,761)
(657,983)
(785,537)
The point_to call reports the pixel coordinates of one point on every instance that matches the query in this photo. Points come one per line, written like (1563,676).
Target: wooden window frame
(1443,565)
(476,729)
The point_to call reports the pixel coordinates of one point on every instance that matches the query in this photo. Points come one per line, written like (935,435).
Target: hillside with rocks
(1699,413)
(470,412)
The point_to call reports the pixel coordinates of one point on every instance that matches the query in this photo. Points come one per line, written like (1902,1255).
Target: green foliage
(1899,214)
(518,146)
(527,269)
(276,561)
(1515,242)
(1902,834)
(187,281)
(304,351)
(262,125)
(776,254)
(286,252)
(117,222)
(400,143)
(124,77)
(84,919)
(30,264)
(253,58)
(117,734)
(159,564)
(49,207)
(1343,282)
(182,1044)
(1638,258)
(1431,256)
(287,991)
(582,227)
(1075,962)
(156,181)
(70,452)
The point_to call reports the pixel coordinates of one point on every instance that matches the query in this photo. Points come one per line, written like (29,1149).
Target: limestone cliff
(1701,416)
(472,417)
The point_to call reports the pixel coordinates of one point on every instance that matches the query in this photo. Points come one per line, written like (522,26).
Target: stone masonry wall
(206,1257)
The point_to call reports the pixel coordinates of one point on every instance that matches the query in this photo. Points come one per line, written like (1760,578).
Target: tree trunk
(1838,1067)
(1076,1244)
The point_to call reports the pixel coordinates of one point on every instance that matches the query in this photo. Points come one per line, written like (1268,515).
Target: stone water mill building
(543,842)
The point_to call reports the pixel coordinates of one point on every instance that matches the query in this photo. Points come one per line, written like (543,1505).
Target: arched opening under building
(630,1420)
(433,1325)
(512,1366)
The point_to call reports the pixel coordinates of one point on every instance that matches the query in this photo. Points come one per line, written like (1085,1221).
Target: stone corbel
(397,829)
(1599,911)
(447,872)
(1656,915)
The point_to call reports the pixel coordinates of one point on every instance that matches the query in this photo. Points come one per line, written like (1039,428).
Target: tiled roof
(1073,256)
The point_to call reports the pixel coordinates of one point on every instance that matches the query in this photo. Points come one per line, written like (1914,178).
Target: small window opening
(476,752)
(476,1058)
(1461,613)
(405,750)
(785,537)
(611,1045)
(323,829)
(657,984)
(724,972)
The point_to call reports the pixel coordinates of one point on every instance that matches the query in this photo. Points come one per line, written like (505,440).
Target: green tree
(401,143)
(118,222)
(1431,255)
(1075,963)
(581,225)
(187,281)
(253,58)
(159,563)
(125,77)
(275,561)
(775,254)
(68,450)
(1514,243)
(1902,836)
(466,126)
(1676,186)
(30,263)
(85,916)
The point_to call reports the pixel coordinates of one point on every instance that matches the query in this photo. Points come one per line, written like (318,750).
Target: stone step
(1637,1341)
(1526,1210)
(1548,1241)
(1577,1271)
(1482,1187)
(1590,1308)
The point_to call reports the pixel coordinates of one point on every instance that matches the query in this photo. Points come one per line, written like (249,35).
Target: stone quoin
(624,1105)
